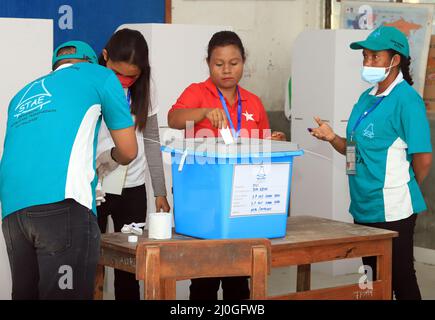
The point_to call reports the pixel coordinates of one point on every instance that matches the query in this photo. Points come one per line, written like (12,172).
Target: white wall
(27,46)
(268,29)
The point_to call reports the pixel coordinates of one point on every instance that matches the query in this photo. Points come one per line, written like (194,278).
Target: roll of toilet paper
(160,225)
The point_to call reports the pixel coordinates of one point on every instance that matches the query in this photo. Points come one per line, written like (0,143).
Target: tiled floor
(283,280)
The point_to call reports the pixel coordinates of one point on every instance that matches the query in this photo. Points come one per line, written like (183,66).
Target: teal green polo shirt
(384,188)
(51,136)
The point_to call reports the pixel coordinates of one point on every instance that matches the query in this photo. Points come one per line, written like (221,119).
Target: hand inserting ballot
(217,117)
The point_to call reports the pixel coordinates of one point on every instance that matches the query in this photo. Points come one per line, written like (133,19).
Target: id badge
(351,158)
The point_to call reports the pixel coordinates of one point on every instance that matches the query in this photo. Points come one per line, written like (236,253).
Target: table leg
(99,283)
(168,289)
(303,278)
(384,269)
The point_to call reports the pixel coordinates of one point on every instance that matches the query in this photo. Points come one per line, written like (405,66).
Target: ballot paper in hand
(227,135)
(114,182)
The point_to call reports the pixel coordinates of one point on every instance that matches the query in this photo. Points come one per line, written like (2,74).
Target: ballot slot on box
(241,190)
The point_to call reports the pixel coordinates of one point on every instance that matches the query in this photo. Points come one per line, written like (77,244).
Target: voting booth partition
(326,82)
(27,46)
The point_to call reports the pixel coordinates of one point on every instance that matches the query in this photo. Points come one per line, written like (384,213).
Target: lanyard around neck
(129,97)
(239,112)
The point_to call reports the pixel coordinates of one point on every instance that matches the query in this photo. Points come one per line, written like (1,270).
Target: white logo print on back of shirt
(36,97)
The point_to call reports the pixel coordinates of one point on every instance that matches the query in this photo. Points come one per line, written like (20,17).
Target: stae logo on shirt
(36,97)
(369,131)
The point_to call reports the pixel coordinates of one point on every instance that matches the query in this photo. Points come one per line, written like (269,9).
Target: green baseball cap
(83,51)
(384,38)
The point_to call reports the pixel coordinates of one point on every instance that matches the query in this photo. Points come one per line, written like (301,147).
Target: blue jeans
(53,251)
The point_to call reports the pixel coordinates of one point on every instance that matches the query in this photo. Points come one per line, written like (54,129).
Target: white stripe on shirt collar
(396,81)
(63,66)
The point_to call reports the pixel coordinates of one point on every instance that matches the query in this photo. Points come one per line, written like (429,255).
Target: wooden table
(308,240)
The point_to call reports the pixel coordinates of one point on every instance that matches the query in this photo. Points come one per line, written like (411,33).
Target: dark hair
(61,52)
(130,46)
(405,64)
(223,39)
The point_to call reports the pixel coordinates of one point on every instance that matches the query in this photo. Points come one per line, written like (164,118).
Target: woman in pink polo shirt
(219,102)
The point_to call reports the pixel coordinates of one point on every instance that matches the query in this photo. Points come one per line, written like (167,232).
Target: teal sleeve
(115,109)
(415,125)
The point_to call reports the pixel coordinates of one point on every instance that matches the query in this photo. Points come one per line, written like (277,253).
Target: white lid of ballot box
(244,148)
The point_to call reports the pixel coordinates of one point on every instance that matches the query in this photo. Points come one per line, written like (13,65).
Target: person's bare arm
(339,144)
(125,150)
(421,163)
(178,118)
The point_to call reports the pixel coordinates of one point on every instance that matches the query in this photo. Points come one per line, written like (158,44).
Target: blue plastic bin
(204,174)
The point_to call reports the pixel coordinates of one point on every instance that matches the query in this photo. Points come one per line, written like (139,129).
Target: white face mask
(374,75)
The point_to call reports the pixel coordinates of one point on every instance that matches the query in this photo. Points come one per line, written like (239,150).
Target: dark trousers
(404,280)
(233,288)
(53,251)
(130,206)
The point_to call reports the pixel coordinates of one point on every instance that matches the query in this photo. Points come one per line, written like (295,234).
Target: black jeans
(404,280)
(130,206)
(233,288)
(53,251)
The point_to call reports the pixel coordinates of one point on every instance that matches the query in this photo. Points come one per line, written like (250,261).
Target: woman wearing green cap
(388,151)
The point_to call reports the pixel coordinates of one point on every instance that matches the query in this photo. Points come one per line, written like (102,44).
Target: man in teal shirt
(47,173)
(388,152)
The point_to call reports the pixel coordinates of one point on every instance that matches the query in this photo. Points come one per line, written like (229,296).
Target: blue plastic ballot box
(240,190)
